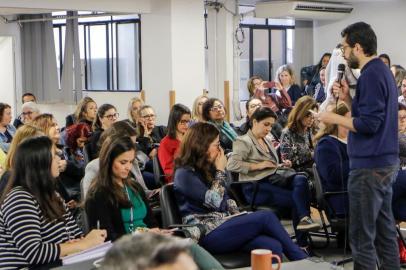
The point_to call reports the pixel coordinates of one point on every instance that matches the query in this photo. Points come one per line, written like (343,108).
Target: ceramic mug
(261,259)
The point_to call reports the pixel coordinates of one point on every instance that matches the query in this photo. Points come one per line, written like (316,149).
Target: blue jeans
(372,226)
(295,196)
(260,229)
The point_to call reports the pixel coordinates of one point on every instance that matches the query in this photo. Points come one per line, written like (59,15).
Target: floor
(332,253)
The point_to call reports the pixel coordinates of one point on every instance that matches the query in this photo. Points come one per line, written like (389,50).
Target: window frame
(269,27)
(111,45)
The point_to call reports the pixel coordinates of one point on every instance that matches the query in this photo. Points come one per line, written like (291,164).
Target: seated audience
(178,124)
(134,106)
(24,132)
(296,139)
(254,158)
(85,112)
(26,97)
(276,101)
(310,74)
(400,73)
(2,162)
(115,201)
(120,128)
(77,137)
(197,109)
(106,116)
(285,76)
(395,68)
(214,113)
(68,172)
(150,135)
(385,58)
(6,129)
(203,201)
(149,251)
(30,110)
(320,88)
(402,97)
(399,187)
(35,226)
(250,107)
(333,162)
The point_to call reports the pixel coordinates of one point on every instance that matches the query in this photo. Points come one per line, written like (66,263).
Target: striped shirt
(26,237)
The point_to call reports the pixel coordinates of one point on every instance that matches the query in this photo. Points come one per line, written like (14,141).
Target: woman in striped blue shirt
(35,226)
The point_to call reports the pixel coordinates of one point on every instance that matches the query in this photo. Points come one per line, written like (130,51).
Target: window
(268,44)
(109,51)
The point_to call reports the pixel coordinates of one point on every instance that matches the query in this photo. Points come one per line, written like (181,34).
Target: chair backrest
(159,175)
(169,207)
(84,221)
(317,186)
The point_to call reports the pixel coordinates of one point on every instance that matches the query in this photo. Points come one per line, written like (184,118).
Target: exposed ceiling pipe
(62,17)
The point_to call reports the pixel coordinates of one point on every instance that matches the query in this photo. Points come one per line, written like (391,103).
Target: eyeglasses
(148,116)
(253,106)
(216,108)
(184,122)
(402,118)
(403,85)
(343,47)
(112,116)
(27,113)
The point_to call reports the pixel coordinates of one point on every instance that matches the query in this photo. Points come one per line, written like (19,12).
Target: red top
(167,151)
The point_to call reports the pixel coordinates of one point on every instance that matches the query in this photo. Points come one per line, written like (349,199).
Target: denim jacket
(3,138)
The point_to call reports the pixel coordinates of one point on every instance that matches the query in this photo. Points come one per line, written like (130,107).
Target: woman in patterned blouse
(35,226)
(204,202)
(296,139)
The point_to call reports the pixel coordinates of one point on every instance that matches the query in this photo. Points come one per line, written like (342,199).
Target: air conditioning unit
(302,10)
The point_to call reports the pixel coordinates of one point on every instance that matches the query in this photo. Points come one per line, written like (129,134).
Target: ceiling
(252,2)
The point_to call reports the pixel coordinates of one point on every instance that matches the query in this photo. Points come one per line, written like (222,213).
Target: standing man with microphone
(372,149)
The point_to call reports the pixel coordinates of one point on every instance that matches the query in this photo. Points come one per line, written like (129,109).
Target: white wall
(187,50)
(13,30)
(7,84)
(172,48)
(386,18)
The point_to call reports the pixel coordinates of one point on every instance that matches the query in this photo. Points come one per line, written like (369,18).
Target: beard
(353,61)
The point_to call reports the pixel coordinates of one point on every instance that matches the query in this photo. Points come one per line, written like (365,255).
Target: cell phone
(270,84)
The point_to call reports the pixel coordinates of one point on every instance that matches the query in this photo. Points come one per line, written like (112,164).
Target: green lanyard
(131,227)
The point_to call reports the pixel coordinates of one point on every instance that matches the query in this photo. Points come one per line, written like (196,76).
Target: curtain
(71,80)
(40,74)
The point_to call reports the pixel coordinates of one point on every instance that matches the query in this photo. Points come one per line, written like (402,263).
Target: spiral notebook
(88,254)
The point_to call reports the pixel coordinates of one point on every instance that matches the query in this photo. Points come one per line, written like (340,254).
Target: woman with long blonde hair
(24,132)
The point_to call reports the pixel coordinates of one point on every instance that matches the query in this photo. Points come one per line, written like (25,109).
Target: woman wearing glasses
(178,124)
(214,112)
(250,106)
(297,138)
(106,116)
(150,135)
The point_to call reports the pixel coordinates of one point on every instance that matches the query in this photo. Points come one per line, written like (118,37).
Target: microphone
(340,72)
(340,75)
